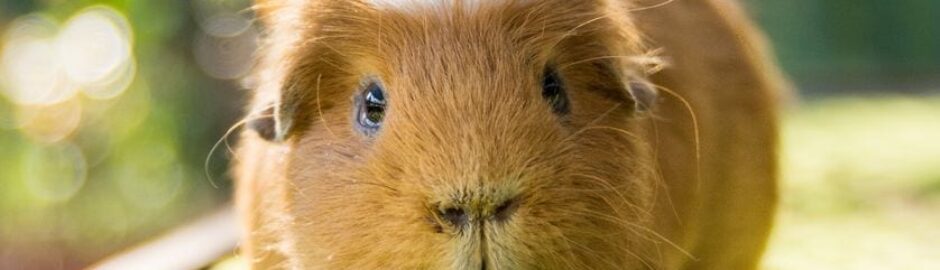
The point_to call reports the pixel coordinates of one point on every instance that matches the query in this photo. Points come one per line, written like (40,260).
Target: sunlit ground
(861,186)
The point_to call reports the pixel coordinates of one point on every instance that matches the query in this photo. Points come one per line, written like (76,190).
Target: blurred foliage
(851,45)
(133,164)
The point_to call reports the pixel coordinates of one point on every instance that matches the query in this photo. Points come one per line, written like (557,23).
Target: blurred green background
(108,110)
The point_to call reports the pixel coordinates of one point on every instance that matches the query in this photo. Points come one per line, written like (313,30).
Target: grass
(861,185)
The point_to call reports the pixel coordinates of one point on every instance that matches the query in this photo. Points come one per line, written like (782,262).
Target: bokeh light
(54,173)
(225,47)
(149,174)
(91,52)
(32,71)
(226,57)
(97,155)
(7,119)
(49,123)
(94,46)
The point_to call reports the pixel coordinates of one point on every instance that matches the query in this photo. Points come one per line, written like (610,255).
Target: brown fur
(689,184)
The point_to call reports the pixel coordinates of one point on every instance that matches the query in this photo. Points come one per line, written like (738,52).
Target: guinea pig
(508,134)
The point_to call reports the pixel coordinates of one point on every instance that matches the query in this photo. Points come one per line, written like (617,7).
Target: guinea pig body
(510,134)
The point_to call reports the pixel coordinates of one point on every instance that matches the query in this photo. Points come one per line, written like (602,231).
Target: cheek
(363,228)
(621,163)
(613,140)
(345,216)
(597,209)
(577,222)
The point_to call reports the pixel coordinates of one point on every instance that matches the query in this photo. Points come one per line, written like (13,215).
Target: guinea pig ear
(263,123)
(644,94)
(271,124)
(631,77)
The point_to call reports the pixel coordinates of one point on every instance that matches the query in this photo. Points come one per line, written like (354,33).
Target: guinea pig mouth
(474,249)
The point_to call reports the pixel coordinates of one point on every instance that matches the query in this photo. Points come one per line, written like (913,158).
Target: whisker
(596,119)
(639,210)
(695,132)
(589,252)
(224,138)
(658,5)
(666,240)
(650,62)
(616,191)
(618,130)
(571,31)
(658,173)
(320,108)
(633,227)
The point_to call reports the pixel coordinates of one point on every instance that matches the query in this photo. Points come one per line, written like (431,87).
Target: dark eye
(371,108)
(553,90)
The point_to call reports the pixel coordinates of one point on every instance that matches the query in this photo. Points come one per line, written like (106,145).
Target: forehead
(378,27)
(480,47)
(350,38)
(406,5)
(364,17)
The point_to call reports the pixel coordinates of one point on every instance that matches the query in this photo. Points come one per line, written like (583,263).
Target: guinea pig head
(459,134)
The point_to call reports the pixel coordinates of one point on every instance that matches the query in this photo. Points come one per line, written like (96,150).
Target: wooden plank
(192,246)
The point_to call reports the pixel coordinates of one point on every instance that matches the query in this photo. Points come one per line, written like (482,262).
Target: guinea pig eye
(371,108)
(553,90)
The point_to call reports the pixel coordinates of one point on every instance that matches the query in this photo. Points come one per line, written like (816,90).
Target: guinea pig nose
(456,216)
(460,214)
(504,210)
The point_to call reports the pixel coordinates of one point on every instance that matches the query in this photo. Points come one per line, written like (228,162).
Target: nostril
(455,216)
(458,215)
(505,210)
